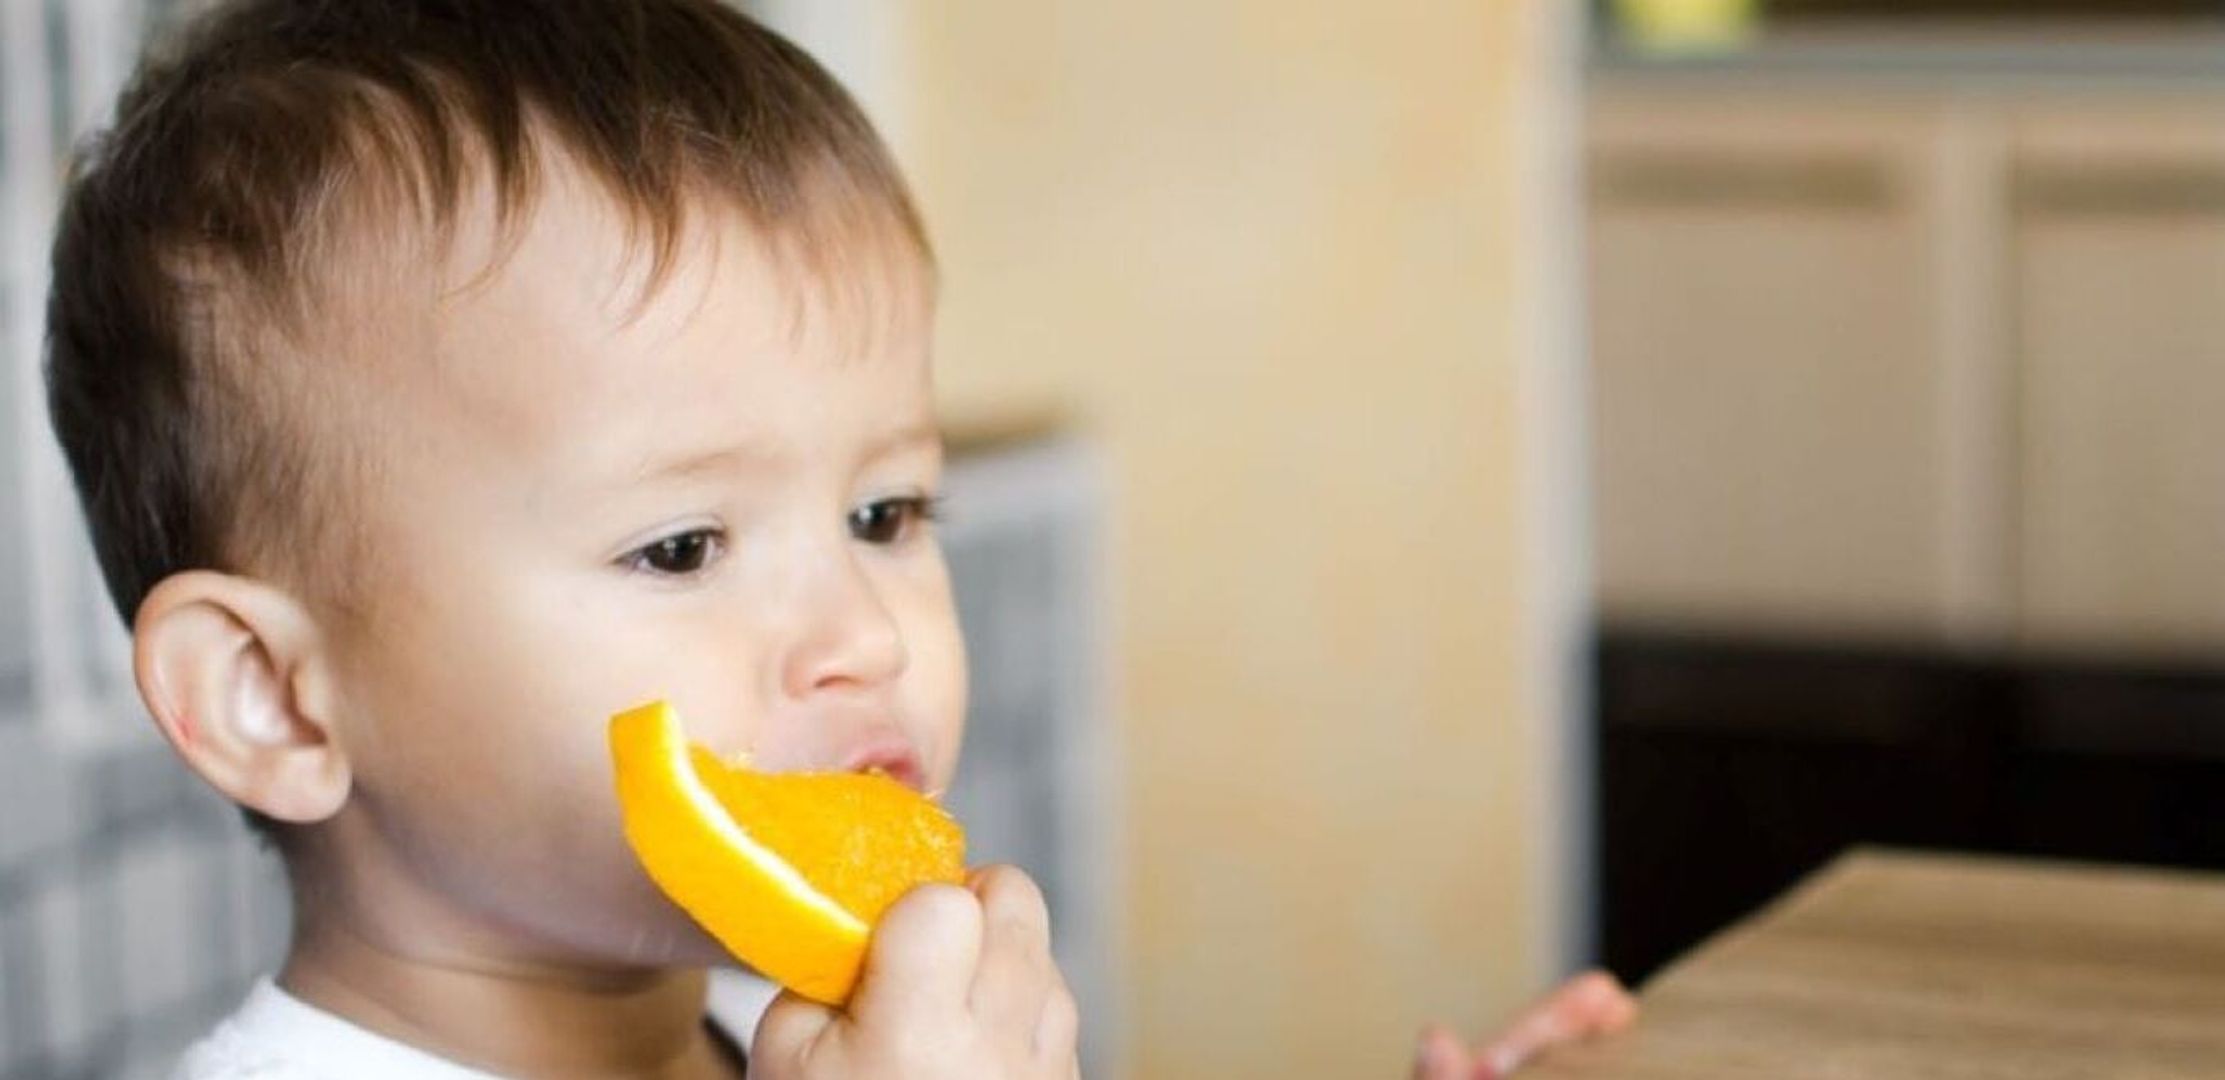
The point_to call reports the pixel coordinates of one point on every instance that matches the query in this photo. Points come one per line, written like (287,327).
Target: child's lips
(892,756)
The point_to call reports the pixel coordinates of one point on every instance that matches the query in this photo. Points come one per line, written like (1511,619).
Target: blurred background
(1449,492)
(1907,354)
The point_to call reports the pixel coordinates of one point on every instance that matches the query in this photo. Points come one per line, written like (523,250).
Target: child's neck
(508,1018)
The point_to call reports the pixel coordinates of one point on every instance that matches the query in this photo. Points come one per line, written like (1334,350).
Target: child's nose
(845,637)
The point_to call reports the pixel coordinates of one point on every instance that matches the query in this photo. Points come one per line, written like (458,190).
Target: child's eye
(890,521)
(680,554)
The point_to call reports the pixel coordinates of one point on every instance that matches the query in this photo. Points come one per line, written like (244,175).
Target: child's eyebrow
(719,461)
(915,435)
(740,457)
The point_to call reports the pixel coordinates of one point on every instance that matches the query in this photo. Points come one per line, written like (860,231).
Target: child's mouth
(889,755)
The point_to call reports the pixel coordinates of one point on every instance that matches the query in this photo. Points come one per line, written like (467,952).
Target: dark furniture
(1730,768)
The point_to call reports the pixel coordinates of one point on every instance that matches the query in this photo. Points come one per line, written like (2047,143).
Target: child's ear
(236,677)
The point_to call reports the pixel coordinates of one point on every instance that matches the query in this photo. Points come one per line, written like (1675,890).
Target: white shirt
(277,1036)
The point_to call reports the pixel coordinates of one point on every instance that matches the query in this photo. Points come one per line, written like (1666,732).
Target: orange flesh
(788,871)
(862,840)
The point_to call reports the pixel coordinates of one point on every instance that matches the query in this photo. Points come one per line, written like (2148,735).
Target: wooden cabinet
(1909,436)
(2119,302)
(1926,365)
(1768,392)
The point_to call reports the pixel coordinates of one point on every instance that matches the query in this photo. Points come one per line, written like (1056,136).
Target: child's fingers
(788,1032)
(1592,1004)
(1439,1055)
(1014,979)
(1545,1025)
(1595,1003)
(1612,1006)
(921,960)
(1058,1032)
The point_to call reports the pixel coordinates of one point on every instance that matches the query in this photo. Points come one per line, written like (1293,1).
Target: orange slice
(788,871)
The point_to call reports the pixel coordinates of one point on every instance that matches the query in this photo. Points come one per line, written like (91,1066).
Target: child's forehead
(564,335)
(843,282)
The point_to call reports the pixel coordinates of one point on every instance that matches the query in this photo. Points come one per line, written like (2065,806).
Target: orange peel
(788,871)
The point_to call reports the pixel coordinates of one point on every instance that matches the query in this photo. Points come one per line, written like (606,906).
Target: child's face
(577,505)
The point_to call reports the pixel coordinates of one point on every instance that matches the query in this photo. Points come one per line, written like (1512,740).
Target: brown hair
(194,232)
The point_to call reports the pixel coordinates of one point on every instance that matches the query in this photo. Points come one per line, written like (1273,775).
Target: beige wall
(1270,253)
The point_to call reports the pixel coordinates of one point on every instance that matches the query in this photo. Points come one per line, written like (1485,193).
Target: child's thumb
(921,960)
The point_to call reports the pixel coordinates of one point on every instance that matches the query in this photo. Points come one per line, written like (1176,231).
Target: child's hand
(958,985)
(1588,1005)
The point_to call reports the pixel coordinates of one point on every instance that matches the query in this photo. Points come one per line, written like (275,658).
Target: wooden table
(1910,967)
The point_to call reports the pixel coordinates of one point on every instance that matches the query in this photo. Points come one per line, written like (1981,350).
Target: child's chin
(659,943)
